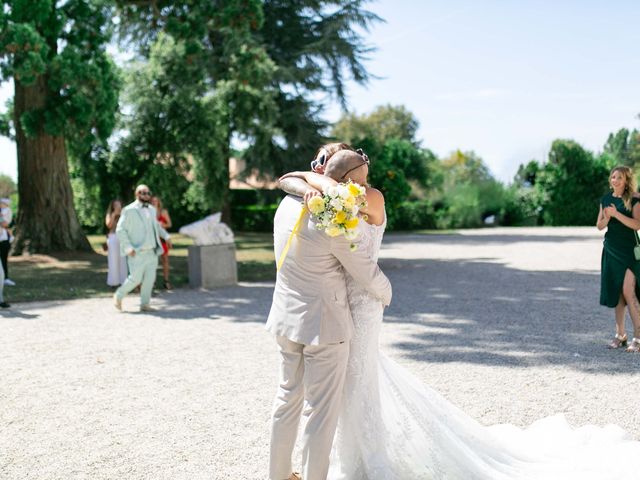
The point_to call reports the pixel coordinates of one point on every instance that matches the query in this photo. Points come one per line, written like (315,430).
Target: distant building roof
(240,179)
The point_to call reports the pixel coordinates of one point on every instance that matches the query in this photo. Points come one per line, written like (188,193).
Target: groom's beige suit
(312,322)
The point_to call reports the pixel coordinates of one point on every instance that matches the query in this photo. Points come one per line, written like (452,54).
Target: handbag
(636,249)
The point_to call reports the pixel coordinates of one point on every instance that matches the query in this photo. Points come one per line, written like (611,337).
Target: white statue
(208,231)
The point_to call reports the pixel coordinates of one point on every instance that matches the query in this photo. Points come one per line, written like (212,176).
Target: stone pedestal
(212,266)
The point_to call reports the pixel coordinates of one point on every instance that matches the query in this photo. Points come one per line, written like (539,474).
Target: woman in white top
(117,264)
(3,304)
(5,238)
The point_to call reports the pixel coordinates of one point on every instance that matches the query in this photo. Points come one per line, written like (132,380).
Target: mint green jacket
(132,229)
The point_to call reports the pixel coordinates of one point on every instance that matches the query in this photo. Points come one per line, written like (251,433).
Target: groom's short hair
(341,163)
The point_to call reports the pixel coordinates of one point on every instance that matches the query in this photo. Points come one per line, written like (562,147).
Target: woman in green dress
(620,215)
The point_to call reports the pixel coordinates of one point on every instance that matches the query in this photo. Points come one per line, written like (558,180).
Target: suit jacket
(132,229)
(310,297)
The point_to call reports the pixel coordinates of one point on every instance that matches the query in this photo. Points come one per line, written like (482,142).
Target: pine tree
(258,71)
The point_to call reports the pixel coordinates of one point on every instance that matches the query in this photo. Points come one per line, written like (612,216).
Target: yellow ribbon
(294,232)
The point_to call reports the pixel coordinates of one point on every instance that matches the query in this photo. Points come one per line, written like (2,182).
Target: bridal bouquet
(336,211)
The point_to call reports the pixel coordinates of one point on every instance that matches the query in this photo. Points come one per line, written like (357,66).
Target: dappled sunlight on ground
(506,327)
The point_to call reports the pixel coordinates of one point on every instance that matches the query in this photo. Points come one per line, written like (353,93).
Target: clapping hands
(611,211)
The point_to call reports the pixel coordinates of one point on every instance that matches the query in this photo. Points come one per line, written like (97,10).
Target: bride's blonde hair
(630,185)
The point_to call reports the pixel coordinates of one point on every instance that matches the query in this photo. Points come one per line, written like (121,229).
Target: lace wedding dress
(393,427)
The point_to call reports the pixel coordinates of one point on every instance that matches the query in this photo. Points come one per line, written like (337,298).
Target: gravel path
(504,322)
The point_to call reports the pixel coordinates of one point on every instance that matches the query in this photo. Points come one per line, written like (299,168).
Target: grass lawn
(80,275)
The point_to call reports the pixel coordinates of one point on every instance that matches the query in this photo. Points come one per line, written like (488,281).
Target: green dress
(617,254)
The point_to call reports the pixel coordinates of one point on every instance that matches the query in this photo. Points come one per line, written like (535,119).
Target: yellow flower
(354,189)
(316,205)
(349,202)
(352,223)
(333,231)
(340,217)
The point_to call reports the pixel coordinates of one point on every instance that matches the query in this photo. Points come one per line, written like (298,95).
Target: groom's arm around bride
(311,320)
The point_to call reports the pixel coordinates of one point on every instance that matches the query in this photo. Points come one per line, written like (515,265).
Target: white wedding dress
(393,427)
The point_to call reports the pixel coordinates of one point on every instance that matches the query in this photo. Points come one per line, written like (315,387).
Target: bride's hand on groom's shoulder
(312,192)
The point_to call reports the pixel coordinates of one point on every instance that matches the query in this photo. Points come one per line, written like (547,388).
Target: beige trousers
(313,375)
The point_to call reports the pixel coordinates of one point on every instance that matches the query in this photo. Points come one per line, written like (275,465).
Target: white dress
(394,427)
(117,264)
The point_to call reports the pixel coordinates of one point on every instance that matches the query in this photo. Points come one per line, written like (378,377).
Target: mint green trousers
(142,271)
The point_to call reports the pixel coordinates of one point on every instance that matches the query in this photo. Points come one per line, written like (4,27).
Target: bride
(393,427)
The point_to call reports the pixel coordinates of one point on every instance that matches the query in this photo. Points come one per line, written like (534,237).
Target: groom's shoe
(295,476)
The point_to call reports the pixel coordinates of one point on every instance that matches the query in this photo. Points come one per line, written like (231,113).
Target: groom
(139,234)
(311,320)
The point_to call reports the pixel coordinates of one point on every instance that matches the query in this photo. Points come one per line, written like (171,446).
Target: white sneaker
(9,282)
(117,302)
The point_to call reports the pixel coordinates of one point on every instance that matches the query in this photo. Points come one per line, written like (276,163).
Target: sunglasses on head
(364,156)
(320,160)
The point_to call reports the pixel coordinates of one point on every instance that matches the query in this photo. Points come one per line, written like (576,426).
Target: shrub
(519,207)
(413,216)
(462,208)
(253,218)
(246,198)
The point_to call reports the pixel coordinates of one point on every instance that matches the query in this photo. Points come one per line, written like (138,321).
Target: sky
(503,78)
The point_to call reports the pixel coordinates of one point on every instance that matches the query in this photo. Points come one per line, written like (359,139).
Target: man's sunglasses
(146,194)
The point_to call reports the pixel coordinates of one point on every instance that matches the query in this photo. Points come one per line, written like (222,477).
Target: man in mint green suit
(139,234)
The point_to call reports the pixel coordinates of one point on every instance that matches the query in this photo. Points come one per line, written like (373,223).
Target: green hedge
(412,216)
(407,216)
(253,218)
(246,198)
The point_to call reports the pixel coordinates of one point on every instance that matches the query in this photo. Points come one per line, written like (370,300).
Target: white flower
(343,191)
(333,191)
(336,203)
(351,234)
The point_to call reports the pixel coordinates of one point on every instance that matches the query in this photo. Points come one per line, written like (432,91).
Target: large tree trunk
(47,220)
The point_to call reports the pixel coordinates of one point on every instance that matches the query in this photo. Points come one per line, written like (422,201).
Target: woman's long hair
(111,204)
(159,200)
(630,186)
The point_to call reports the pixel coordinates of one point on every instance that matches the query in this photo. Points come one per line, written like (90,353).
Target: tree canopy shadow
(485,312)
(15,312)
(246,302)
(498,238)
